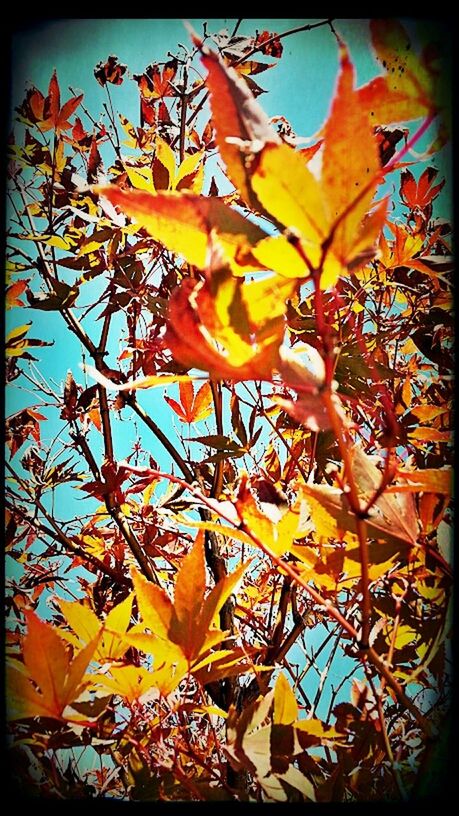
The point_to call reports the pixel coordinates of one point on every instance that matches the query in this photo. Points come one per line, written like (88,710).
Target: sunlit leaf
(183,222)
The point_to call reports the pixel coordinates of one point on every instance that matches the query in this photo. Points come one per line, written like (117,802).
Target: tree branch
(62,538)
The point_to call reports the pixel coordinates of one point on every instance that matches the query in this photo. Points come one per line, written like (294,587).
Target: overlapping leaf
(392,516)
(57,679)
(267,736)
(87,626)
(332,211)
(47,112)
(229,328)
(183,632)
(185,222)
(238,121)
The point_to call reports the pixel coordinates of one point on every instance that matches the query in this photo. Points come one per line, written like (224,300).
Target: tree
(266,615)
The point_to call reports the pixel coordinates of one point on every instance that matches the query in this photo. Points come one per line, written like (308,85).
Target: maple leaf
(266,737)
(332,212)
(409,88)
(184,223)
(183,632)
(269,44)
(420,194)
(163,174)
(46,112)
(405,250)
(87,626)
(156,84)
(237,119)
(392,516)
(274,525)
(58,679)
(194,406)
(112,70)
(429,480)
(20,426)
(129,682)
(113,477)
(227,327)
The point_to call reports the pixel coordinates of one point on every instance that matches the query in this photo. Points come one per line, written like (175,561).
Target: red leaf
(20,426)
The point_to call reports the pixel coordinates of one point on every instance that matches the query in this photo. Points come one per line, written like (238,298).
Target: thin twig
(60,536)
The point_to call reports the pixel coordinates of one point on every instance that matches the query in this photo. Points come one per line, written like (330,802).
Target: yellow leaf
(290,192)
(278,254)
(155,606)
(130,682)
(285,705)
(81,619)
(189,166)
(183,222)
(166,156)
(141,178)
(59,678)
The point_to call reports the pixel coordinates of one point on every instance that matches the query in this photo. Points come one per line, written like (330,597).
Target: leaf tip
(197,41)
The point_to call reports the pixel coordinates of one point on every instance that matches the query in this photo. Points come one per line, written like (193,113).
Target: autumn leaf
(404,250)
(392,516)
(129,682)
(229,328)
(408,90)
(156,83)
(333,212)
(238,121)
(47,112)
(193,407)
(20,426)
(267,736)
(87,626)
(184,223)
(279,529)
(183,632)
(151,381)
(417,195)
(13,293)
(58,678)
(17,343)
(112,71)
(429,480)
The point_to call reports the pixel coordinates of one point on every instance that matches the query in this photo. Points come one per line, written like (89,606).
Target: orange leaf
(177,408)
(186,391)
(193,407)
(391,517)
(429,480)
(229,328)
(184,223)
(66,112)
(203,405)
(236,116)
(13,293)
(48,663)
(409,88)
(190,585)
(350,161)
